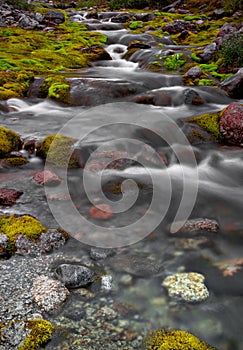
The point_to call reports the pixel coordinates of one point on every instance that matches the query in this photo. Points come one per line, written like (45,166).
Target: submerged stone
(187,286)
(74,276)
(9,196)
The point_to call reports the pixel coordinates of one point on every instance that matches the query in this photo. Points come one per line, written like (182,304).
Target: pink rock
(101,212)
(109,160)
(9,196)
(47,177)
(231,124)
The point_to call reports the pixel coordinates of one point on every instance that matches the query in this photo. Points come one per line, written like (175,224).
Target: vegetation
(165,339)
(232,51)
(57,149)
(9,141)
(40,332)
(209,122)
(14,226)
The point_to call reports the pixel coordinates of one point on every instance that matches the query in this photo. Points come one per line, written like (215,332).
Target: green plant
(136,24)
(232,51)
(174,62)
(233,5)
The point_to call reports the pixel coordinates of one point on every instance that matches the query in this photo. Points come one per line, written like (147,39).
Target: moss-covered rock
(55,87)
(40,332)
(15,162)
(14,226)
(165,339)
(209,122)
(14,84)
(60,153)
(9,141)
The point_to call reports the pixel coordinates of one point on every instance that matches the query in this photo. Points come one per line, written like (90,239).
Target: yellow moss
(209,122)
(15,162)
(166,339)
(14,226)
(9,141)
(40,332)
(60,153)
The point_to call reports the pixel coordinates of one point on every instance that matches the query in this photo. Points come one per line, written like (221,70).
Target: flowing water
(206,178)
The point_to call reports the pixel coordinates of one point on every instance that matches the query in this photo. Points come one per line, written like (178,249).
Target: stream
(182,181)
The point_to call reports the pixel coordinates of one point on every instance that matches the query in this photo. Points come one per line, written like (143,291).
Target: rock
(192,97)
(106,282)
(156,98)
(25,246)
(230,267)
(208,52)
(9,196)
(231,124)
(187,286)
(121,18)
(101,212)
(48,294)
(47,178)
(101,253)
(225,32)
(9,141)
(193,73)
(219,13)
(199,225)
(178,26)
(109,160)
(26,22)
(3,244)
(234,85)
(138,44)
(52,239)
(96,53)
(56,17)
(74,276)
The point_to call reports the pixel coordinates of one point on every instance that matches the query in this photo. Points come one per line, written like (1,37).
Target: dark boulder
(74,276)
(234,85)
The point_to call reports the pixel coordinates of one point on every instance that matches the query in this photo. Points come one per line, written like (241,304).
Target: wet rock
(137,44)
(192,97)
(199,225)
(92,14)
(145,17)
(48,294)
(155,98)
(192,74)
(231,124)
(106,282)
(52,240)
(230,267)
(3,244)
(234,85)
(25,246)
(101,212)
(105,26)
(118,160)
(56,17)
(137,264)
(208,52)
(74,276)
(9,196)
(47,178)
(101,253)
(9,141)
(96,53)
(122,18)
(188,286)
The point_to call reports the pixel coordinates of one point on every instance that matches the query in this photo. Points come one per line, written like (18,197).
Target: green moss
(136,25)
(208,67)
(209,122)
(207,82)
(14,84)
(194,18)
(15,162)
(40,332)
(174,62)
(25,225)
(9,141)
(195,58)
(165,339)
(60,153)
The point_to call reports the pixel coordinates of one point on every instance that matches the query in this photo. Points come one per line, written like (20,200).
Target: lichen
(60,153)
(25,225)
(209,122)
(40,332)
(9,141)
(165,339)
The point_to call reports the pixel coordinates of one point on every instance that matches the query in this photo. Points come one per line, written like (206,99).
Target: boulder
(56,17)
(231,124)
(9,196)
(234,85)
(47,178)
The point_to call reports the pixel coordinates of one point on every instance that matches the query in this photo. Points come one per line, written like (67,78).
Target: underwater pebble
(74,276)
(187,286)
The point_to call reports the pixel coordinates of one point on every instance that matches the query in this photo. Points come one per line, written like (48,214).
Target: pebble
(187,286)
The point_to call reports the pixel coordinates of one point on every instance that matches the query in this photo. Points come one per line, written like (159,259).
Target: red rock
(47,177)
(9,196)
(109,160)
(101,212)
(231,124)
